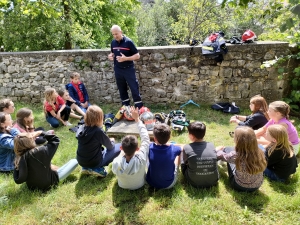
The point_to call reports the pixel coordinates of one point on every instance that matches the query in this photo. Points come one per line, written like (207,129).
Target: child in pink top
(279,114)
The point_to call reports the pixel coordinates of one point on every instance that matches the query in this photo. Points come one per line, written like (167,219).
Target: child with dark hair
(199,164)
(72,104)
(78,91)
(33,164)
(7,134)
(7,106)
(164,159)
(130,165)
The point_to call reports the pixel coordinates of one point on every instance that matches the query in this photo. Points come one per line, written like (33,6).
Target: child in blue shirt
(164,159)
(78,91)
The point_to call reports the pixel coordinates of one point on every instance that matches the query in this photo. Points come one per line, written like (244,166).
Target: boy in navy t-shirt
(164,159)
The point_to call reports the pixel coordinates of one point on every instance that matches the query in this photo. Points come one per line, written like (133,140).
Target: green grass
(89,200)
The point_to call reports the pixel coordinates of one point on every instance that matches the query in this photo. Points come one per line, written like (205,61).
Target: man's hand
(135,113)
(111,56)
(85,105)
(121,58)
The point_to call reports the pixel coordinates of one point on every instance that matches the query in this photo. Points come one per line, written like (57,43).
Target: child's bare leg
(73,115)
(77,109)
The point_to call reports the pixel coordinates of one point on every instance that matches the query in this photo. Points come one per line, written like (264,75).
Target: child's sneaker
(101,172)
(67,123)
(86,171)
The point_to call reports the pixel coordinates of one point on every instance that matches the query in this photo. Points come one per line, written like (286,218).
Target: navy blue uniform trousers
(126,76)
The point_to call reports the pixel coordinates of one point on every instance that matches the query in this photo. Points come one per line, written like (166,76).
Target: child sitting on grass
(33,164)
(282,161)
(78,91)
(245,162)
(259,116)
(25,124)
(7,135)
(90,153)
(199,164)
(279,114)
(72,104)
(56,109)
(130,166)
(164,159)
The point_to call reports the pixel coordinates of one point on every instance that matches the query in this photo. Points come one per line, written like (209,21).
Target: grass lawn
(89,200)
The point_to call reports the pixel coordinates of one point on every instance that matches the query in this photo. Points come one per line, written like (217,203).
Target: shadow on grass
(255,201)
(288,187)
(91,185)
(129,203)
(20,197)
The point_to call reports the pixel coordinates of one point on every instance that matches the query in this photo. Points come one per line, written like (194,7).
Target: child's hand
(134,113)
(36,133)
(220,148)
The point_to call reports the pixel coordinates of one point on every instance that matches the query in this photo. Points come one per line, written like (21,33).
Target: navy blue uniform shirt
(125,46)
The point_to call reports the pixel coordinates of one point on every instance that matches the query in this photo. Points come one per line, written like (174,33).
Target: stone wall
(169,74)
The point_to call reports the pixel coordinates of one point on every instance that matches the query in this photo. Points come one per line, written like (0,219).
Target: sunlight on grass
(89,200)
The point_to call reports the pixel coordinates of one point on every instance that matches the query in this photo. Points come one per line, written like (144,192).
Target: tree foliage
(55,24)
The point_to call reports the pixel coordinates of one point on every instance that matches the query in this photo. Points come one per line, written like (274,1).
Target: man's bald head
(116,32)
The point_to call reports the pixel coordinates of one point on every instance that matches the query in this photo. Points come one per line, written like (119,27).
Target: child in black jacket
(33,164)
(282,161)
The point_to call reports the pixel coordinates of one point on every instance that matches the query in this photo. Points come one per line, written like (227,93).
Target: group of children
(265,143)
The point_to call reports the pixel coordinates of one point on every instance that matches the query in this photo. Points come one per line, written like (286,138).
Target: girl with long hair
(279,114)
(245,161)
(56,109)
(33,164)
(259,116)
(282,161)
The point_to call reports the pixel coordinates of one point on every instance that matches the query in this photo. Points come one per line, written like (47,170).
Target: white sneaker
(68,123)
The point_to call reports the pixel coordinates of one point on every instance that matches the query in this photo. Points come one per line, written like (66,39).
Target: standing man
(124,52)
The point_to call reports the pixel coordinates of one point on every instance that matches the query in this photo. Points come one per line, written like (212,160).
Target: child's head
(129,145)
(248,153)
(278,136)
(278,110)
(258,103)
(93,116)
(5,121)
(7,106)
(162,133)
(25,117)
(50,94)
(23,142)
(75,77)
(64,94)
(197,129)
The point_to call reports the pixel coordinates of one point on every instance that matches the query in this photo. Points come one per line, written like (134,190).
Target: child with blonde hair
(33,164)
(259,116)
(56,109)
(282,161)
(91,137)
(72,104)
(279,114)
(7,134)
(245,162)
